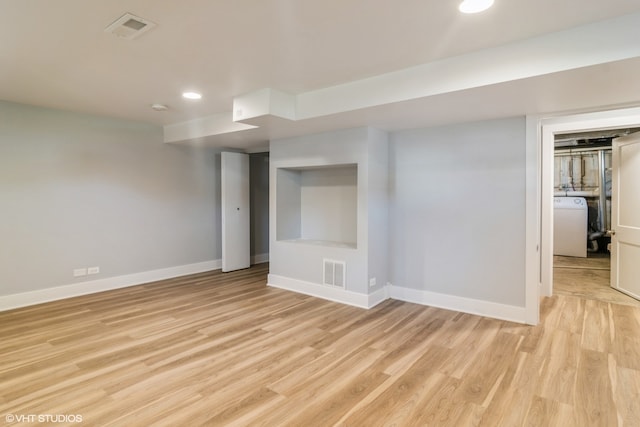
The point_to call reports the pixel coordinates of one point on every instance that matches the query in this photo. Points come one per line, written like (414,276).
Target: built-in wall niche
(318,205)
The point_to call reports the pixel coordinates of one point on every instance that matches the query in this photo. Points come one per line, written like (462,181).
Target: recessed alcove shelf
(328,201)
(318,205)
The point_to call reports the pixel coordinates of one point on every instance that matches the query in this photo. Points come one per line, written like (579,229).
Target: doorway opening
(579,140)
(582,213)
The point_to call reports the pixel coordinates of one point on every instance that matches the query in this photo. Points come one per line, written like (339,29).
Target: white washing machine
(570,226)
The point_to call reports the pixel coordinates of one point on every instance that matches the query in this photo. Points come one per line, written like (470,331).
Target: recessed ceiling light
(191,95)
(159,107)
(475,6)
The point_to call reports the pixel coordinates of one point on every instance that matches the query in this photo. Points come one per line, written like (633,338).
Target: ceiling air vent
(129,26)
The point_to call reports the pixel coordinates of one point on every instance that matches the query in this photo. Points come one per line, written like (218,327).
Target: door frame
(545,131)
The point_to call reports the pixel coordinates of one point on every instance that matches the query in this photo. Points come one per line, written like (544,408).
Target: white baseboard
(449,302)
(24,299)
(466,305)
(327,292)
(259,259)
(378,296)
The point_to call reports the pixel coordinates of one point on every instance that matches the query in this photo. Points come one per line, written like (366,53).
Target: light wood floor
(587,278)
(223,349)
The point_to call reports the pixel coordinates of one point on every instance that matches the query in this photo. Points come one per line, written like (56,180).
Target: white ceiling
(56,54)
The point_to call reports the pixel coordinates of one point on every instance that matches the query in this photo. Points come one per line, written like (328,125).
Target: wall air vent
(333,273)
(129,26)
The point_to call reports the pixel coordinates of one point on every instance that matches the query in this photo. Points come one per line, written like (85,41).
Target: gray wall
(259,199)
(328,203)
(457,212)
(378,207)
(80,191)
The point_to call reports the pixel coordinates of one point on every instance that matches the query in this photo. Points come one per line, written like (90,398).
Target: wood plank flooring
(220,349)
(587,278)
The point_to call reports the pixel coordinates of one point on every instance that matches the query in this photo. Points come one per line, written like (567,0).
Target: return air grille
(129,26)
(334,273)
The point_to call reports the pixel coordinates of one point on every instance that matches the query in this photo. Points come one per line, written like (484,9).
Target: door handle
(611,233)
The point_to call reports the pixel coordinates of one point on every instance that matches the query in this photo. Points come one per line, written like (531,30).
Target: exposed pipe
(573,187)
(602,182)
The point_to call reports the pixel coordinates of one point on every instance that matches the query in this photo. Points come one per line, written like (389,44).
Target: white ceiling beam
(585,46)
(216,124)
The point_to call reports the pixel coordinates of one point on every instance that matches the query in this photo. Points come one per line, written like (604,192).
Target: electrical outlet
(79,272)
(372,282)
(93,270)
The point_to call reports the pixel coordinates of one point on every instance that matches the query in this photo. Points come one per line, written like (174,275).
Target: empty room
(305,213)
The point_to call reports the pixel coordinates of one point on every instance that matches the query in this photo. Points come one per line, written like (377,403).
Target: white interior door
(625,215)
(235,211)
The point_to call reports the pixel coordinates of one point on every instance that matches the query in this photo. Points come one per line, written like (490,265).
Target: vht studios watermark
(43,418)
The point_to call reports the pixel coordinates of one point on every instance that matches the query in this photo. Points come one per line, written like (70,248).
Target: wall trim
(466,305)
(532,276)
(327,292)
(260,258)
(378,296)
(449,302)
(8,302)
